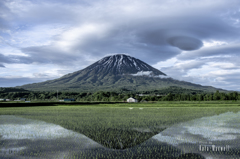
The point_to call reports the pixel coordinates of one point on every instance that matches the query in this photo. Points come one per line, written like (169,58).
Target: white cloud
(167,63)
(78,35)
(213,43)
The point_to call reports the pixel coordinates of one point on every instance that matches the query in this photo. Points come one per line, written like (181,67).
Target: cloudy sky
(195,41)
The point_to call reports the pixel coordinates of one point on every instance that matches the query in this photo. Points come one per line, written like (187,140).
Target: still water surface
(20,138)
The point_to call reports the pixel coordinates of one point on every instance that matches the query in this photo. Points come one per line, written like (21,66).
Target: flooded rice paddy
(213,137)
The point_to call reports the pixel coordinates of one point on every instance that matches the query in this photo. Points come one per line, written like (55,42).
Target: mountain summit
(122,64)
(112,73)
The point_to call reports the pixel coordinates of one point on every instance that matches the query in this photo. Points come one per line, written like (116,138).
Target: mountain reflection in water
(21,138)
(201,135)
(38,137)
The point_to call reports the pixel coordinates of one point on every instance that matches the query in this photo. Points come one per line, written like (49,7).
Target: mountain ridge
(113,73)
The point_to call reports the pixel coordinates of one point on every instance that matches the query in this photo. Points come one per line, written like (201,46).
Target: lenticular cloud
(185,43)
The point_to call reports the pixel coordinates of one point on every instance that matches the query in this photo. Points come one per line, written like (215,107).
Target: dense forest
(168,94)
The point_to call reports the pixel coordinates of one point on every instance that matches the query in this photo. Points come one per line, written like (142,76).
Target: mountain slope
(113,73)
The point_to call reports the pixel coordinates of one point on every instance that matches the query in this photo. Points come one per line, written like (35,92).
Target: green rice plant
(118,127)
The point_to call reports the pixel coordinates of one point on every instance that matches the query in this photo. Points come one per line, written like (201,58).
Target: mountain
(114,73)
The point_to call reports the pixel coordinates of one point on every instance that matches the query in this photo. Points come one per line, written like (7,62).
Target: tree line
(116,96)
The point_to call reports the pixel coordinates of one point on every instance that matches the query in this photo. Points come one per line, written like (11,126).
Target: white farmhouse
(132,100)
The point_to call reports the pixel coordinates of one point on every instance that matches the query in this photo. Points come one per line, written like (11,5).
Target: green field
(103,122)
(121,125)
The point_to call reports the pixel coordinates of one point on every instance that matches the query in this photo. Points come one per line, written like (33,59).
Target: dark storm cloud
(42,55)
(10,59)
(16,59)
(199,26)
(124,41)
(53,55)
(4,59)
(142,40)
(185,43)
(141,35)
(156,37)
(47,54)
